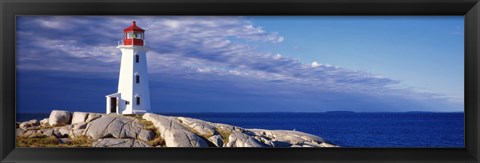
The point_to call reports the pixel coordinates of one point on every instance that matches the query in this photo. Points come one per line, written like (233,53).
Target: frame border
(11,8)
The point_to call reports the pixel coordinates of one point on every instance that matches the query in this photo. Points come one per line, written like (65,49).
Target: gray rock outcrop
(167,131)
(44,122)
(79,117)
(206,129)
(146,135)
(174,133)
(59,117)
(114,126)
(284,138)
(216,140)
(20,132)
(111,142)
(239,139)
(93,116)
(31,124)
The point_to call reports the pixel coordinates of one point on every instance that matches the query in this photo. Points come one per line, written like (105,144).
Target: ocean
(348,129)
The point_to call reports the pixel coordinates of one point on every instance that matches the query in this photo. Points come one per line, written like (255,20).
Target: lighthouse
(133,95)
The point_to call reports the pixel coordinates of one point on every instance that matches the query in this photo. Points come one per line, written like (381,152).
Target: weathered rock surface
(81,125)
(113,126)
(47,132)
(44,122)
(20,132)
(63,131)
(183,138)
(79,117)
(174,133)
(282,137)
(239,139)
(111,142)
(59,117)
(92,116)
(146,135)
(203,128)
(31,124)
(216,140)
(28,133)
(76,133)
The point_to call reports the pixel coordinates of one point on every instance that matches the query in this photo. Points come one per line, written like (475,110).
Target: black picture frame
(11,8)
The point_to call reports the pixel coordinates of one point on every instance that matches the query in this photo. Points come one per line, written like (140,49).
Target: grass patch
(197,133)
(80,141)
(47,126)
(37,141)
(41,140)
(138,116)
(224,134)
(158,140)
(148,125)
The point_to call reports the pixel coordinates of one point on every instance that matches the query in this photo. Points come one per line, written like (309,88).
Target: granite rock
(92,116)
(20,132)
(44,122)
(79,117)
(203,128)
(112,142)
(174,133)
(59,117)
(31,124)
(146,135)
(239,139)
(113,126)
(216,140)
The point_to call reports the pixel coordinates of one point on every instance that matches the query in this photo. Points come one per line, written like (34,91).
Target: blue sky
(248,64)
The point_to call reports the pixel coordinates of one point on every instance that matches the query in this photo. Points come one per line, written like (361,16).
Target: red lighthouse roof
(133,27)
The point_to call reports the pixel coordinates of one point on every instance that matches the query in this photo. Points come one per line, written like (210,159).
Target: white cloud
(55,23)
(277,56)
(204,70)
(172,23)
(315,64)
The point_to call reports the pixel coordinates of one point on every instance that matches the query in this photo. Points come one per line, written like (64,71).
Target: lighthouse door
(113,105)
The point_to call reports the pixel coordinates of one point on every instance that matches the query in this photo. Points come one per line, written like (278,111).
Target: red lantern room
(133,35)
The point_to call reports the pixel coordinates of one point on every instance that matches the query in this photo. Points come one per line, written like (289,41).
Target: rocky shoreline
(81,129)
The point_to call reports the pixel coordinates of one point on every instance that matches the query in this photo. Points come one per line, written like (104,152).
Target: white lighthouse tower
(133,95)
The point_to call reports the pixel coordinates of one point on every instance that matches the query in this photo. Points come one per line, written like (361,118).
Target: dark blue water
(414,129)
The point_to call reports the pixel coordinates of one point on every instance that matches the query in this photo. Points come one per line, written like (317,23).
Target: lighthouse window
(137,78)
(137,58)
(138,100)
(135,35)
